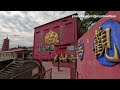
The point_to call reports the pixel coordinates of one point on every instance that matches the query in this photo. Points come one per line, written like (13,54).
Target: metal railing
(27,74)
(23,75)
(45,75)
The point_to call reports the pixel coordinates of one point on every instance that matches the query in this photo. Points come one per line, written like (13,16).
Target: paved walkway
(64,72)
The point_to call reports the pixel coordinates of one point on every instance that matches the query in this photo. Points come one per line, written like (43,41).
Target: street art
(107,43)
(81,50)
(51,37)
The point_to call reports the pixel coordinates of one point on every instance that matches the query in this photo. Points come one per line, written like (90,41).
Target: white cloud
(19,25)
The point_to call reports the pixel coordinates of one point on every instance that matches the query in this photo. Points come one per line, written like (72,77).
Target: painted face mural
(107,43)
(81,50)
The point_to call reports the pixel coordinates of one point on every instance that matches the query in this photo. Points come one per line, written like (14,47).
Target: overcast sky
(19,25)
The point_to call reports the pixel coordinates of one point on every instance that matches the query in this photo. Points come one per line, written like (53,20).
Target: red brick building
(5,46)
(67,31)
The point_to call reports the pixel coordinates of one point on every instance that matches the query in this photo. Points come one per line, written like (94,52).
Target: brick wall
(89,67)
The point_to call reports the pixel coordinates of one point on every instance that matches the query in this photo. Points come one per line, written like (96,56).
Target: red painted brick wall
(89,67)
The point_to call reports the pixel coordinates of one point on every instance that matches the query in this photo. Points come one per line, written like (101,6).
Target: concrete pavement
(64,72)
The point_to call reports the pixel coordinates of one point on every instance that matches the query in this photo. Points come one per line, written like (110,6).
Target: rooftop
(14,50)
(56,20)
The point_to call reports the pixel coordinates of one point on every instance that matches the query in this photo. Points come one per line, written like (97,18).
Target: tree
(19,46)
(87,22)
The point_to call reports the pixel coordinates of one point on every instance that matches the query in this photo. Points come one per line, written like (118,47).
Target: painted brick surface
(71,33)
(89,67)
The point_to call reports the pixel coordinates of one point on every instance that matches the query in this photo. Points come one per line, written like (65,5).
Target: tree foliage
(87,22)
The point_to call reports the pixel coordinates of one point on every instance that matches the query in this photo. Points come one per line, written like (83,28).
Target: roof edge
(56,20)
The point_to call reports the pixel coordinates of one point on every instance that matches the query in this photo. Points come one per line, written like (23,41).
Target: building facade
(99,49)
(56,37)
(17,54)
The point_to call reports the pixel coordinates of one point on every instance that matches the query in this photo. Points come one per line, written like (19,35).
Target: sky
(19,25)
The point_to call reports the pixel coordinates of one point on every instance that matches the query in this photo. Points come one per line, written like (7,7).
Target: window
(71,47)
(46,48)
(6,55)
(12,55)
(3,55)
(40,49)
(52,48)
(19,55)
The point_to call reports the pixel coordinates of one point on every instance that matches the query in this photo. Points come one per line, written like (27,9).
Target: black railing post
(51,74)
(58,65)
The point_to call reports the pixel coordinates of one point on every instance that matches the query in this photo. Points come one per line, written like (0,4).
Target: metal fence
(46,75)
(27,74)
(24,75)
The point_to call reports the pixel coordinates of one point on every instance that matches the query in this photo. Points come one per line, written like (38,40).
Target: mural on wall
(81,50)
(107,43)
(51,37)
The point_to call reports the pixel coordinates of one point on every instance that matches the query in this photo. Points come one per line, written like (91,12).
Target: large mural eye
(81,50)
(51,37)
(107,43)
